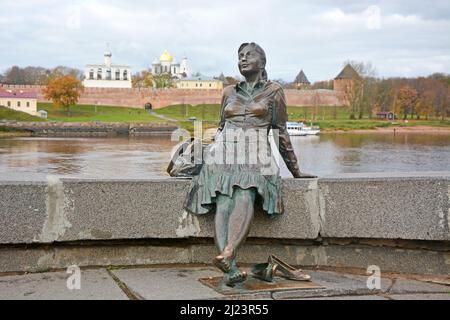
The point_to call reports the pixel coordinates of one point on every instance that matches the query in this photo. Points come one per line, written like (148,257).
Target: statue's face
(249,61)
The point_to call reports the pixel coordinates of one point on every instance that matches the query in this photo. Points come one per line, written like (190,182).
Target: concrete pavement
(181,282)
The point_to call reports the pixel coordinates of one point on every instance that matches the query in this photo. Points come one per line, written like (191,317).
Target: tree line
(419,98)
(416,98)
(37,75)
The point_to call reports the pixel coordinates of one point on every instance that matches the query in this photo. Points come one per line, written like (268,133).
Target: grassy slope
(333,118)
(10,114)
(337,118)
(88,113)
(206,112)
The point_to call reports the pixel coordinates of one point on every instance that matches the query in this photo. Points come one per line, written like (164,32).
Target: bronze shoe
(264,271)
(288,271)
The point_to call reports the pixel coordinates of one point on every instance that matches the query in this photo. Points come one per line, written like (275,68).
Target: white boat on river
(299,129)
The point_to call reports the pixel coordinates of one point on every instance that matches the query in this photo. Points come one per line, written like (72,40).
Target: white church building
(107,75)
(166,64)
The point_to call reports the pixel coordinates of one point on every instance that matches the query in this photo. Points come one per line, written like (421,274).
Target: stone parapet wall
(159,98)
(408,208)
(349,214)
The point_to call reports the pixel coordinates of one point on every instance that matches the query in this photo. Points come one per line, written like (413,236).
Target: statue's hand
(302,175)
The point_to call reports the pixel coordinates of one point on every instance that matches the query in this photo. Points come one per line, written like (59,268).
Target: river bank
(84,128)
(394,130)
(15,134)
(24,129)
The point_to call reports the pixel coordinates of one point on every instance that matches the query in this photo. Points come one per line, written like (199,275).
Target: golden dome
(166,57)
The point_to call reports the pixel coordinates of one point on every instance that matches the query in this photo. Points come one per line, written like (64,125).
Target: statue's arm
(282,139)
(225,94)
(222,118)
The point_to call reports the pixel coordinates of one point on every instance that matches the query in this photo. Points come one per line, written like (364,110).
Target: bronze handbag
(187,160)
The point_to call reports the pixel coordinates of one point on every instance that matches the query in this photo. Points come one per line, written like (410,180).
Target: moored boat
(299,129)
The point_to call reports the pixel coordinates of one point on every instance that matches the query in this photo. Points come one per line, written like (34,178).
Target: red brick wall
(342,85)
(159,98)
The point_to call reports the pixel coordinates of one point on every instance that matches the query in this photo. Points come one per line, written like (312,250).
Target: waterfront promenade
(180,282)
(131,237)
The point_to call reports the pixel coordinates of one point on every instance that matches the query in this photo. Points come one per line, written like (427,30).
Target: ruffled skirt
(228,165)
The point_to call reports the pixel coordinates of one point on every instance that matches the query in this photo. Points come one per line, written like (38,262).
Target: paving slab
(182,283)
(365,297)
(250,296)
(336,284)
(421,296)
(94,285)
(168,283)
(254,285)
(413,286)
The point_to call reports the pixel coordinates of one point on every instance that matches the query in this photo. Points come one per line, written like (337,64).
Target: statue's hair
(261,53)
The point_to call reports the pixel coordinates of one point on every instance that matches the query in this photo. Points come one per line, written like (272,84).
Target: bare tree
(38,75)
(361,91)
(327,84)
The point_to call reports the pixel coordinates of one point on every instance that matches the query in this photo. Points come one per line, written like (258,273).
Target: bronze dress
(231,161)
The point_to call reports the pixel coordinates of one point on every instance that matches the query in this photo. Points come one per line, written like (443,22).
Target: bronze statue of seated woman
(239,170)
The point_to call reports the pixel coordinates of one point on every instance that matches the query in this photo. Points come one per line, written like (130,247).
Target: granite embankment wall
(91,128)
(159,98)
(400,223)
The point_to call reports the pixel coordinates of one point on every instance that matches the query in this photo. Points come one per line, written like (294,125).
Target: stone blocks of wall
(23,211)
(72,210)
(389,207)
(43,258)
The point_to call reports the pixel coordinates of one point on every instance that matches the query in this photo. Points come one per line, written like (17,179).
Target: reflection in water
(23,158)
(147,157)
(355,153)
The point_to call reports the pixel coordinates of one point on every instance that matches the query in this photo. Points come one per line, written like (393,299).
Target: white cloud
(338,16)
(73,19)
(373,17)
(405,19)
(316,36)
(370,18)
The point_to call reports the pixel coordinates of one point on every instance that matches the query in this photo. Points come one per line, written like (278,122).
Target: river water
(34,158)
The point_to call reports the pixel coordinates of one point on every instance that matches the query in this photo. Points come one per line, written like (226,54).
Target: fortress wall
(159,98)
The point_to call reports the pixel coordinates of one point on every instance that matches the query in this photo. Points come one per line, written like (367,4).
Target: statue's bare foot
(224,260)
(222,263)
(234,277)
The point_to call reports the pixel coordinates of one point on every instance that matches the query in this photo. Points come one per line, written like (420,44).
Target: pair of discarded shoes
(267,271)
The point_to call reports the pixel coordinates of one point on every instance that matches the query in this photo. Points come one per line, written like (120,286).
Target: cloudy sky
(399,38)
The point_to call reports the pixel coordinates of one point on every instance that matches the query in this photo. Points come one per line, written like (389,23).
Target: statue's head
(252,59)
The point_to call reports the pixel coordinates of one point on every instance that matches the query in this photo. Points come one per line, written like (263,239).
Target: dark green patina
(234,189)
